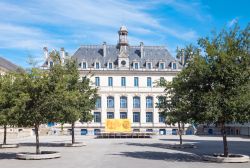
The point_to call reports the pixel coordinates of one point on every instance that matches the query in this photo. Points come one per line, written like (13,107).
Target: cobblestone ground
(125,153)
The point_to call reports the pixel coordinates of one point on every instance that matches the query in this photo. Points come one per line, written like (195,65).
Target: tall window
(123,115)
(110,81)
(98,103)
(97,65)
(110,65)
(162,80)
(149,65)
(136,117)
(149,82)
(149,117)
(110,102)
(123,102)
(136,102)
(162,65)
(149,102)
(97,81)
(136,81)
(110,115)
(123,81)
(97,117)
(84,65)
(161,100)
(136,65)
(161,118)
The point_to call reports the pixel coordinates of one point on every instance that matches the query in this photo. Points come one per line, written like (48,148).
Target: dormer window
(174,66)
(110,65)
(149,65)
(136,65)
(97,65)
(161,65)
(84,65)
(51,64)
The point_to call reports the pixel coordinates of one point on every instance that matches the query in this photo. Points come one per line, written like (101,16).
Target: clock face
(123,62)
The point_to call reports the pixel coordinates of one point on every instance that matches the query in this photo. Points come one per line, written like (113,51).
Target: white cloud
(31,25)
(194,9)
(21,37)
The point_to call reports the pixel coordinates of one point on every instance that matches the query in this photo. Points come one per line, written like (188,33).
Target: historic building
(126,78)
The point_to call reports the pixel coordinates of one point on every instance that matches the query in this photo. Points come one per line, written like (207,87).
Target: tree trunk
(61,128)
(224,135)
(37,139)
(180,132)
(73,132)
(4,134)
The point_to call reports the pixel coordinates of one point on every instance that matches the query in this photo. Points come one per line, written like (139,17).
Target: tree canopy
(216,83)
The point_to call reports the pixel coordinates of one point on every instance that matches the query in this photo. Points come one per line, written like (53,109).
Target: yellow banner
(118,125)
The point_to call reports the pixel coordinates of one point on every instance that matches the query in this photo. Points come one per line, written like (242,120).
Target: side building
(12,132)
(126,78)
(6,66)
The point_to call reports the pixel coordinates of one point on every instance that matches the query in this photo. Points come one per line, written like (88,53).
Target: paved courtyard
(125,153)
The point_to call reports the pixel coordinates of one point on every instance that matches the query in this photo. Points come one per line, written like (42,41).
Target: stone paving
(125,153)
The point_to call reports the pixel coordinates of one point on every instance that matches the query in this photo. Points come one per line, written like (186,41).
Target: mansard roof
(94,53)
(7,65)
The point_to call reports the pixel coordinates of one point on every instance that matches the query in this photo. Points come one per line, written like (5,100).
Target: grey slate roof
(7,65)
(94,53)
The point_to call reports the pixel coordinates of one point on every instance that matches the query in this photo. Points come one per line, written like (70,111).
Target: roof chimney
(63,55)
(182,57)
(141,49)
(104,46)
(46,54)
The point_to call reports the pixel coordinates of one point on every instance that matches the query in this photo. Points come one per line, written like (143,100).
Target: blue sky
(27,26)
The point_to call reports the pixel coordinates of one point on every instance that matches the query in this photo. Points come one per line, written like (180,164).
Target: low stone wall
(14,135)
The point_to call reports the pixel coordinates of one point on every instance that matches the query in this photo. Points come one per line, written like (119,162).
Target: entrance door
(84,131)
(162,132)
(97,131)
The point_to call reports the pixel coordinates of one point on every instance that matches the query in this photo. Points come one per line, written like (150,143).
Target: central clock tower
(123,59)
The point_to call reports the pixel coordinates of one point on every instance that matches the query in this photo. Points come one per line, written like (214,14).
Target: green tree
(8,102)
(78,97)
(39,97)
(218,82)
(174,104)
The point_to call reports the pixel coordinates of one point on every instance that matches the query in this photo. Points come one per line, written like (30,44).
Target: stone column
(143,109)
(130,107)
(156,112)
(117,106)
(104,108)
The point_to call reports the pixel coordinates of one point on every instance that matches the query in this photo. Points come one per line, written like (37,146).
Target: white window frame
(85,63)
(136,62)
(172,65)
(51,63)
(112,65)
(147,65)
(99,65)
(164,66)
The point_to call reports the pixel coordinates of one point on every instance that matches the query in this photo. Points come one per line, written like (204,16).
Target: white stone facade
(129,91)
(129,73)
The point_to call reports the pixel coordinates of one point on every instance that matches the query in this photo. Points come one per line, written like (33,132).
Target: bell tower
(123,33)
(123,60)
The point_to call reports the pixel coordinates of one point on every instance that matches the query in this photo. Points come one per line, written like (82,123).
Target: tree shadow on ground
(7,155)
(43,144)
(216,146)
(203,146)
(152,155)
